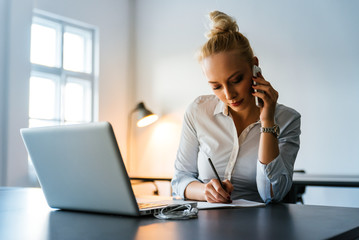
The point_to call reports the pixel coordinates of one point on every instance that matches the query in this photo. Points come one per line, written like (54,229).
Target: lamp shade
(144,116)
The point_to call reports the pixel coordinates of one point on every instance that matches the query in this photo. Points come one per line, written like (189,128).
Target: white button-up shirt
(209,132)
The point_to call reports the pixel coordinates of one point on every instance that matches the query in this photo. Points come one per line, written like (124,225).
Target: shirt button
(270,176)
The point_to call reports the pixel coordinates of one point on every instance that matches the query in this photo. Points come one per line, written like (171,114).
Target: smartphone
(256,70)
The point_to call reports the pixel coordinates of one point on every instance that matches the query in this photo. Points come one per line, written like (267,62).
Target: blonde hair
(225,36)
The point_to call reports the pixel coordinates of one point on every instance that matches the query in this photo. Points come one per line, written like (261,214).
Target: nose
(230,93)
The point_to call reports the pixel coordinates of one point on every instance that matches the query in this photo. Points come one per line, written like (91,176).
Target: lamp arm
(129,136)
(145,112)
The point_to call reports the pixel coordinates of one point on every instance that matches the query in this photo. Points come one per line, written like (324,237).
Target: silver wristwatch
(274,130)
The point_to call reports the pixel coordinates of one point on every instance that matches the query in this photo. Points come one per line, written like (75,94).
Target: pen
(215,172)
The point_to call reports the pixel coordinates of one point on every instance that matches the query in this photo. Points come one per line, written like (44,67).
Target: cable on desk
(178,212)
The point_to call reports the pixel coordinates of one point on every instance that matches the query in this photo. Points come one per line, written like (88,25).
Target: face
(230,78)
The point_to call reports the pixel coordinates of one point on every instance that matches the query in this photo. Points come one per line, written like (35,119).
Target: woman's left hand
(269,96)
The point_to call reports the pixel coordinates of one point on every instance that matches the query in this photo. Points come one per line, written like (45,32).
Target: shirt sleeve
(186,170)
(279,172)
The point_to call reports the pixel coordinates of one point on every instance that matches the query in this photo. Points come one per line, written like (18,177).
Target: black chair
(295,194)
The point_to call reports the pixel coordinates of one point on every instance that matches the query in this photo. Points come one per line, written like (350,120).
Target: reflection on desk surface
(66,224)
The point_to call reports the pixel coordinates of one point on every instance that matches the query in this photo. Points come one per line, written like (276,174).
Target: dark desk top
(24,214)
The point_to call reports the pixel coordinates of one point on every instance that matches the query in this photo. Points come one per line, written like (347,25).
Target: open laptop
(80,167)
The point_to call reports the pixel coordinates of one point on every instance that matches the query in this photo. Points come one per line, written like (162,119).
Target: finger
(212,195)
(267,90)
(263,87)
(214,191)
(229,186)
(260,80)
(259,76)
(266,99)
(209,192)
(223,194)
(210,199)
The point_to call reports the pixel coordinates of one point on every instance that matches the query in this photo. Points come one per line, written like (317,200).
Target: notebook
(80,167)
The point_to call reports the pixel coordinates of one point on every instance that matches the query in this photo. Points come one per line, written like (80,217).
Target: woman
(254,159)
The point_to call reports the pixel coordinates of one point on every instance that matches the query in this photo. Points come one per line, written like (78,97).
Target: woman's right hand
(214,193)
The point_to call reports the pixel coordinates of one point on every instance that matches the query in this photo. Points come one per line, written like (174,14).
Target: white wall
(3,67)
(308,50)
(111,18)
(17,84)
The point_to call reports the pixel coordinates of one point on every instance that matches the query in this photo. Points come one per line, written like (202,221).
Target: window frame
(44,18)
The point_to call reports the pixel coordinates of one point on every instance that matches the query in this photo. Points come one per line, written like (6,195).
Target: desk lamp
(145,117)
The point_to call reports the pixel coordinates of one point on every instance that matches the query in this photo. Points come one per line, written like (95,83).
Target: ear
(255,61)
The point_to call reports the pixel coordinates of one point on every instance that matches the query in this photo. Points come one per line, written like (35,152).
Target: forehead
(223,64)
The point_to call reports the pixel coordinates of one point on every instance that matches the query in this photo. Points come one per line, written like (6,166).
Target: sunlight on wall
(156,147)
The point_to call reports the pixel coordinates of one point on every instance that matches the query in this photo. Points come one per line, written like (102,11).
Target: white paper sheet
(235,204)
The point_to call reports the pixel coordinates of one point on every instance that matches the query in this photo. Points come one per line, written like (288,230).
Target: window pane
(44,43)
(77,50)
(42,123)
(77,100)
(42,98)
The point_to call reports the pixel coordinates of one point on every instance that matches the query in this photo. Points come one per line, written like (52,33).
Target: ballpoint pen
(215,172)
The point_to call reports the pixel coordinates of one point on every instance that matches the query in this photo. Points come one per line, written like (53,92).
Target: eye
(216,87)
(238,79)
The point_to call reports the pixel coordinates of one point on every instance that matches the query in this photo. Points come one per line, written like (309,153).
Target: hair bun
(221,23)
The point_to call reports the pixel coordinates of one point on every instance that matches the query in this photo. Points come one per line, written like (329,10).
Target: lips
(237,103)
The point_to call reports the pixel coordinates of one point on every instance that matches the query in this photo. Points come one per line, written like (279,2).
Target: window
(62,78)
(62,81)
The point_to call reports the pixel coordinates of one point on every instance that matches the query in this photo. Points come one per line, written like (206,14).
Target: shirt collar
(221,108)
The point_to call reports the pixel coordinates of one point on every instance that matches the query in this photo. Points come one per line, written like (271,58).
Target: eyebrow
(234,74)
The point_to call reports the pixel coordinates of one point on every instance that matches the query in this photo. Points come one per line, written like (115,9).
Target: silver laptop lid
(80,167)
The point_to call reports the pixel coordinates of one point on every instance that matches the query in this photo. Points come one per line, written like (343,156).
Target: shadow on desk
(66,224)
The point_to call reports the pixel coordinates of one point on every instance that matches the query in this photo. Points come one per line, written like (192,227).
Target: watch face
(276,129)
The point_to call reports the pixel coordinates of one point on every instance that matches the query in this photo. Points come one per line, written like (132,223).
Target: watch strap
(274,130)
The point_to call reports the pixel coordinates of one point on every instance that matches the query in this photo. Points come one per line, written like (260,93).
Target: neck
(247,116)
